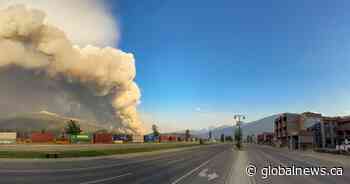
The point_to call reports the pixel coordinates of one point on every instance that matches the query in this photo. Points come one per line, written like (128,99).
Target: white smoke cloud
(97,76)
(84,21)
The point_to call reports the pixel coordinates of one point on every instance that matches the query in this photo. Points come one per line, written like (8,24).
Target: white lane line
(106,179)
(192,171)
(175,161)
(157,157)
(252,180)
(277,161)
(64,170)
(78,169)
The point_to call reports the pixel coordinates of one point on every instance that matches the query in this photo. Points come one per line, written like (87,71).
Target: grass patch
(94,152)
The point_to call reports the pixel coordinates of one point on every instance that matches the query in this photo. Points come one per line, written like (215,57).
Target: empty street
(220,163)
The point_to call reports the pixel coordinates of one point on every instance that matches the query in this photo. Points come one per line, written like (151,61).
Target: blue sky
(199,62)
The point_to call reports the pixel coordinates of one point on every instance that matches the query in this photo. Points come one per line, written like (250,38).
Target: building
(330,132)
(324,133)
(292,130)
(343,130)
(310,130)
(285,125)
(265,138)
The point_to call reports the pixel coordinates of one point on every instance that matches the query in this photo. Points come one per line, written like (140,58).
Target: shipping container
(122,137)
(80,139)
(62,141)
(137,138)
(118,142)
(8,137)
(172,138)
(163,138)
(103,138)
(42,137)
(150,138)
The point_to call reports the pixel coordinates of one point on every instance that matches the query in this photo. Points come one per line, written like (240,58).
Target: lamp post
(238,137)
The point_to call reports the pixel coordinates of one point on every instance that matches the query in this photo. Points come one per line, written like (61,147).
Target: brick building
(331,131)
(285,125)
(292,130)
(265,138)
(343,130)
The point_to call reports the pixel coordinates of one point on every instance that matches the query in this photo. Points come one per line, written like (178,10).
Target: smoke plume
(93,16)
(96,81)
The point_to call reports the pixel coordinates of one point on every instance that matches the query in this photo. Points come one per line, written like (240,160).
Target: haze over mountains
(255,127)
(37,121)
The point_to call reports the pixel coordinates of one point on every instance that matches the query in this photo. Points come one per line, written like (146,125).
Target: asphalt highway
(205,164)
(212,164)
(263,156)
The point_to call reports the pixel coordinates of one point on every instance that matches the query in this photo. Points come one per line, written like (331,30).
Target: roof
(311,114)
(344,127)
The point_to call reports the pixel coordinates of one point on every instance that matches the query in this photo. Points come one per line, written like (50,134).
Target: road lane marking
(277,161)
(81,168)
(204,173)
(156,158)
(212,176)
(192,171)
(237,172)
(175,161)
(252,180)
(106,179)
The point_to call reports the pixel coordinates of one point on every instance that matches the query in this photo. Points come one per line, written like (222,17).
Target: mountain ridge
(43,120)
(265,124)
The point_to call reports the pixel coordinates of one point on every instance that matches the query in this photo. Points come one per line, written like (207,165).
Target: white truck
(344,147)
(8,137)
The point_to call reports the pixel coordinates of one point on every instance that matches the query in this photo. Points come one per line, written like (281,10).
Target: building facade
(286,124)
(292,130)
(265,138)
(331,131)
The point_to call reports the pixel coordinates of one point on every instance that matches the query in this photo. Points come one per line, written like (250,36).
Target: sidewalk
(238,174)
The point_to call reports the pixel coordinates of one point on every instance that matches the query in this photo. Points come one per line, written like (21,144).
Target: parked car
(344,147)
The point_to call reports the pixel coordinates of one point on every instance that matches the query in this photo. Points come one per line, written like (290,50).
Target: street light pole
(237,118)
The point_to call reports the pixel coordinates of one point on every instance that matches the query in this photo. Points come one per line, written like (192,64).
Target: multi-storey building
(265,138)
(343,130)
(291,130)
(331,131)
(285,125)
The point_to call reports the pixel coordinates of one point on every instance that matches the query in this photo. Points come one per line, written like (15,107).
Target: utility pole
(238,133)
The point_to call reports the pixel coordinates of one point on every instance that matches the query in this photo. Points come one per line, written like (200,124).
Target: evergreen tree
(73,128)
(155,130)
(222,138)
(187,135)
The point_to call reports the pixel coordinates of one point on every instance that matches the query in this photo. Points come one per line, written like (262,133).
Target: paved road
(215,164)
(262,156)
(206,164)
